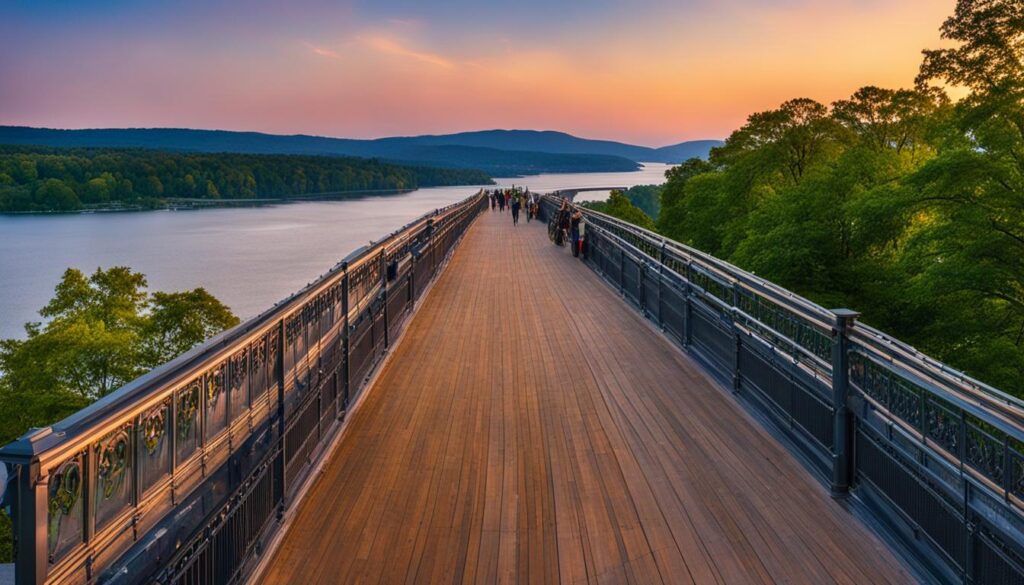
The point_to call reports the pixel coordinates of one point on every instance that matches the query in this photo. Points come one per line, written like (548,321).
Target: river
(249,257)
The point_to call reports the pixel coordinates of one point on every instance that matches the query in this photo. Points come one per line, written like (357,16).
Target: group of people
(568,224)
(516,199)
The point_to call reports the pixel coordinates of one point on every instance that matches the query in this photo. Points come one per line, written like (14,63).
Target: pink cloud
(391,46)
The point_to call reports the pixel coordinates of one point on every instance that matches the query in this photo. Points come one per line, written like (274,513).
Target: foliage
(647,198)
(6,538)
(898,203)
(101,331)
(53,179)
(618,205)
(499,153)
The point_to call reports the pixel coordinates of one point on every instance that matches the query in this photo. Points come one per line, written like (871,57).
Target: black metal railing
(181,475)
(936,456)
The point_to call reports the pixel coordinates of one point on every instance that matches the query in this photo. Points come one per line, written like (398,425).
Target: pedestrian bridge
(464,401)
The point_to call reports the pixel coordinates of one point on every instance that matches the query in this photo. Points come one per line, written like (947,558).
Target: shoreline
(185,204)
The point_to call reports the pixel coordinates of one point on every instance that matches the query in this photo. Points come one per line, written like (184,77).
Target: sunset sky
(652,72)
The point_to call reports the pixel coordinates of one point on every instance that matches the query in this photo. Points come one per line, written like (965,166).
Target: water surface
(249,257)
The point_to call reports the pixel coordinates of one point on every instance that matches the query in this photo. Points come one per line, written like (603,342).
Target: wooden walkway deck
(531,428)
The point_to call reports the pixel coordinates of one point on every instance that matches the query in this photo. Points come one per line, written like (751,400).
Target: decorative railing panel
(177,476)
(937,456)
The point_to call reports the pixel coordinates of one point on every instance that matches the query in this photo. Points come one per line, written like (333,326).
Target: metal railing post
(29,518)
(842,437)
(430,246)
(346,350)
(641,277)
(384,293)
(737,338)
(412,278)
(279,374)
(687,309)
(622,270)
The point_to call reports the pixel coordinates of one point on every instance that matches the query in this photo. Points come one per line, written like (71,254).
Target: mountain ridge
(498,152)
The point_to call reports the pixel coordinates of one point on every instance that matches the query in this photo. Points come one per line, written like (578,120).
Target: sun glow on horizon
(653,75)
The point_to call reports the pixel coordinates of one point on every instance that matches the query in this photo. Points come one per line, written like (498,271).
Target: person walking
(576,232)
(494,201)
(560,224)
(515,205)
(501,201)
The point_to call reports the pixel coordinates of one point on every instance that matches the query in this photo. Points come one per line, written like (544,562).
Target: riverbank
(249,257)
(185,204)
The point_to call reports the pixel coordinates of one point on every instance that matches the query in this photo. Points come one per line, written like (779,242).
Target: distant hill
(496,152)
(677,153)
(45,178)
(562,143)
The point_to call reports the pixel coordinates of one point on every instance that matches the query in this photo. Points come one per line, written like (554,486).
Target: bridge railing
(937,456)
(181,475)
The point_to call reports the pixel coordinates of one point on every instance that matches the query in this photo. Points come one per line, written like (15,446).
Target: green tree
(100,332)
(647,198)
(212,192)
(178,321)
(39,179)
(55,194)
(674,210)
(891,119)
(618,205)
(100,189)
(6,538)
(968,256)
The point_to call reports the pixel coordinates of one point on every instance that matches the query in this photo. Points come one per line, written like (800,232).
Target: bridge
(571,194)
(465,401)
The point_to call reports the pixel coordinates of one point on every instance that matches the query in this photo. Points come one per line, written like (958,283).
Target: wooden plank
(531,427)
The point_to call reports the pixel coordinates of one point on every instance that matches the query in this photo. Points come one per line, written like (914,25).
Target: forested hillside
(52,179)
(498,153)
(900,203)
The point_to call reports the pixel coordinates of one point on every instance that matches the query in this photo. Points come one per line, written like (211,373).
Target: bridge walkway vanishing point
(531,427)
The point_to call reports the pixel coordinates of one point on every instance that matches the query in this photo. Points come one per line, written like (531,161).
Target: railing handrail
(74,432)
(1009,409)
(726,269)
(971,390)
(938,455)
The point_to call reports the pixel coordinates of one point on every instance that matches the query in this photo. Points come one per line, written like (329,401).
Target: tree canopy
(897,202)
(618,205)
(100,332)
(68,179)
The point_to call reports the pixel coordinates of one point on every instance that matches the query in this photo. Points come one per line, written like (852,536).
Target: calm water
(248,257)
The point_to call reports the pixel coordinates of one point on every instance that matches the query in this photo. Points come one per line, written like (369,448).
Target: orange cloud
(322,51)
(390,46)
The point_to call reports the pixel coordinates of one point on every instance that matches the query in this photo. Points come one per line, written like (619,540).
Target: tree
(100,189)
(786,141)
(673,205)
(884,118)
(101,331)
(212,192)
(144,178)
(180,320)
(900,204)
(970,252)
(618,205)
(55,194)
(6,538)
(647,198)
